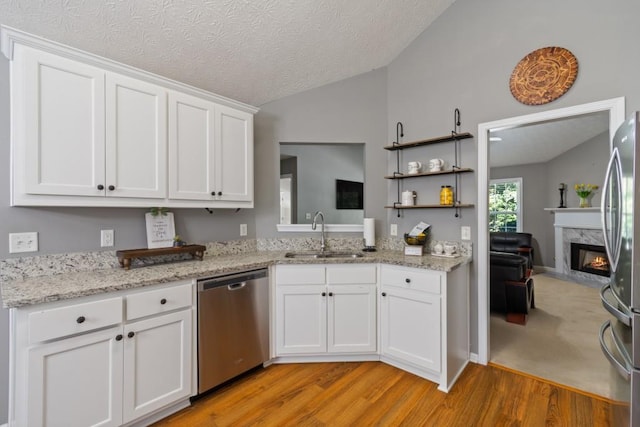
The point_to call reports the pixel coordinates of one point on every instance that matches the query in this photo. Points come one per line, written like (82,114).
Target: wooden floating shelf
(447,138)
(414,175)
(125,256)
(430,206)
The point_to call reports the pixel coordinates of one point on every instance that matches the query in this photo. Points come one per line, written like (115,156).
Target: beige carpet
(560,340)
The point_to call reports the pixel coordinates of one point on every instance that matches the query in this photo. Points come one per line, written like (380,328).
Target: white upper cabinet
(210,151)
(136,147)
(87,131)
(58,125)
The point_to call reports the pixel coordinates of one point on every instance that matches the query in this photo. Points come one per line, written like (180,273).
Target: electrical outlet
(243,229)
(393,231)
(307,215)
(23,242)
(465,232)
(106,238)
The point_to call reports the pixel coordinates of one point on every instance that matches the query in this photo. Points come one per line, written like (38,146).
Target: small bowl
(418,240)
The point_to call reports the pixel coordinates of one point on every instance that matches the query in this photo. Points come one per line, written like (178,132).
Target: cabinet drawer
(74,319)
(156,301)
(347,274)
(411,278)
(300,275)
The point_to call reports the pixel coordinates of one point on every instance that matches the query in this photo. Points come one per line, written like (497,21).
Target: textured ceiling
(541,142)
(254,51)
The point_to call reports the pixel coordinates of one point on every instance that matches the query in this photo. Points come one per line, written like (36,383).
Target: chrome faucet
(313,227)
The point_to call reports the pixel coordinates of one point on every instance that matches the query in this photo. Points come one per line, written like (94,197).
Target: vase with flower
(584,192)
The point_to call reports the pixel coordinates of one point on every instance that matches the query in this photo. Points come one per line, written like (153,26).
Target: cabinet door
(136,146)
(192,154)
(351,321)
(234,172)
(157,363)
(410,323)
(76,381)
(58,124)
(301,319)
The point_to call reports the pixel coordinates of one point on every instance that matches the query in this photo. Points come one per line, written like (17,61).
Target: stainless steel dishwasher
(233,326)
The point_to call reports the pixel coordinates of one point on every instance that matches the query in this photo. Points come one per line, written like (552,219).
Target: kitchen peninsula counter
(48,288)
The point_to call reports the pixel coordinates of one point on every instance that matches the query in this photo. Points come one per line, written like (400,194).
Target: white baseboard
(543,269)
(4,425)
(473,357)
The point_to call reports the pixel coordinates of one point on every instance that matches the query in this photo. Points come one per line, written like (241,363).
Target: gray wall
(465,58)
(352,110)
(319,165)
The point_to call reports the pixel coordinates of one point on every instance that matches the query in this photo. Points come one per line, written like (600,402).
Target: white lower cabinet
(84,363)
(324,310)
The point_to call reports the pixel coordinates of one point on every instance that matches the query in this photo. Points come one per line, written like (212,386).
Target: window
(505,204)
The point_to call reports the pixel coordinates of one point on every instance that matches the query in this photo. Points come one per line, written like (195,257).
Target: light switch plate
(465,232)
(23,242)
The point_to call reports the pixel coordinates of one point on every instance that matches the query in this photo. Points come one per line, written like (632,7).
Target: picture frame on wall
(161,230)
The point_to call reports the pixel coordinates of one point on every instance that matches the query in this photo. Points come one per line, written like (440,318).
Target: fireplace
(589,259)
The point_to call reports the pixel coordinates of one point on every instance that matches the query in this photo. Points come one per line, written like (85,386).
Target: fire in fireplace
(590,259)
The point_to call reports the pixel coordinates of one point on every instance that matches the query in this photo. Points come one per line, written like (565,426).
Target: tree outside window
(505,203)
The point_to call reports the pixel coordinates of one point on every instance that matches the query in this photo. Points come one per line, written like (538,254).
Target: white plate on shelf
(443,255)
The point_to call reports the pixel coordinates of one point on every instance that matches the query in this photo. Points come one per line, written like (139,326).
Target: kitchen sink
(320,254)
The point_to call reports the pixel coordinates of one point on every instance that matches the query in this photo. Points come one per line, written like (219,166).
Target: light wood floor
(373,393)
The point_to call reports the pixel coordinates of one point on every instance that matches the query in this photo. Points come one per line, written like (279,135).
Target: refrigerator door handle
(623,316)
(613,252)
(624,369)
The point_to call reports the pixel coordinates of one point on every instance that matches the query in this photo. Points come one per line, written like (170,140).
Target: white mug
(408,198)
(449,249)
(437,248)
(436,165)
(414,167)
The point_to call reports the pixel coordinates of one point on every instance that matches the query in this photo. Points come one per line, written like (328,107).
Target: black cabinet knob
(119,337)
(384,294)
(330,294)
(100,187)
(111,188)
(219,193)
(213,193)
(131,334)
(324,294)
(81,319)
(163,301)
(407,280)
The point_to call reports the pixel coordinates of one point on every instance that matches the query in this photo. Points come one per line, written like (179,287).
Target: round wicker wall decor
(543,75)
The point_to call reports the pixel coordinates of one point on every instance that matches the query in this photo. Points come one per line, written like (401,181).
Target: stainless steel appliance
(620,336)
(233,326)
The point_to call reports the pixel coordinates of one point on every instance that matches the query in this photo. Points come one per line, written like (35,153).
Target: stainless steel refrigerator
(620,336)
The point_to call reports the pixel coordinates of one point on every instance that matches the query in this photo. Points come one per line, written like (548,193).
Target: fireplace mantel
(576,217)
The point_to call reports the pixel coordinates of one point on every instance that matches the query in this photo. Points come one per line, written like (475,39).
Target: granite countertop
(37,290)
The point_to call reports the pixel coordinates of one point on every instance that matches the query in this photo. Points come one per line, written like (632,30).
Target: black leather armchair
(512,243)
(511,260)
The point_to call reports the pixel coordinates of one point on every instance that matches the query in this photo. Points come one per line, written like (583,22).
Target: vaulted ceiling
(254,51)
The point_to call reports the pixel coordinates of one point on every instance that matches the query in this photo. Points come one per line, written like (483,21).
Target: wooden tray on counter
(125,256)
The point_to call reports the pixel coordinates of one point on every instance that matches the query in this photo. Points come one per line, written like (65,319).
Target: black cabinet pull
(213,193)
(324,294)
(330,294)
(81,319)
(219,193)
(111,188)
(119,337)
(131,334)
(407,280)
(100,187)
(163,301)
(384,294)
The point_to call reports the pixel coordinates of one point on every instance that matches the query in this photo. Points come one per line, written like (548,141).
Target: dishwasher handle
(230,280)
(236,286)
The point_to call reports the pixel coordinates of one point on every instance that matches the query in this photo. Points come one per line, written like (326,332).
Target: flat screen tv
(349,194)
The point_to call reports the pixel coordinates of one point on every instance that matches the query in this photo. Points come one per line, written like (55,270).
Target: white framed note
(160,230)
